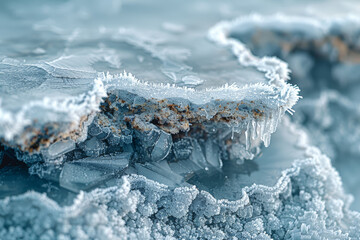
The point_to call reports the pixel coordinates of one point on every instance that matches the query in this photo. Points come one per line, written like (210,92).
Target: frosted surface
(167,120)
(325,67)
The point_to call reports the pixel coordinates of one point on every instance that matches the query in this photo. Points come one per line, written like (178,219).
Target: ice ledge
(64,116)
(307,201)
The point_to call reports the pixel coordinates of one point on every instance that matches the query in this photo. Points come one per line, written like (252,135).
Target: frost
(140,208)
(123,121)
(323,56)
(148,118)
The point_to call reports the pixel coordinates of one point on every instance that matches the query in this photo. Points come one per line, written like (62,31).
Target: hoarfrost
(322,54)
(142,209)
(182,150)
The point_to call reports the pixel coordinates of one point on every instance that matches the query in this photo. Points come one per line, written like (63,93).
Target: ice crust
(138,208)
(149,117)
(323,56)
(269,98)
(177,151)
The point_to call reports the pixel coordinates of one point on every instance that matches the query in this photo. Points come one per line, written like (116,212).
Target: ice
(93,147)
(192,80)
(186,168)
(89,172)
(212,153)
(104,134)
(162,147)
(238,153)
(114,139)
(325,67)
(58,149)
(94,129)
(135,121)
(61,147)
(80,95)
(182,148)
(306,201)
(160,172)
(149,137)
(197,155)
(16,117)
(327,50)
(154,120)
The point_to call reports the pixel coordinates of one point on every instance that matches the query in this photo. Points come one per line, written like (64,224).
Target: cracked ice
(120,123)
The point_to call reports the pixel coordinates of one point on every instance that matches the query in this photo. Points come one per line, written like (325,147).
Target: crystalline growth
(144,209)
(321,52)
(152,119)
(323,55)
(134,121)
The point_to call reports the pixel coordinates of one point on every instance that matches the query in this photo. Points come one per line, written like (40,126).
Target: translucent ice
(93,147)
(57,149)
(89,172)
(306,201)
(135,121)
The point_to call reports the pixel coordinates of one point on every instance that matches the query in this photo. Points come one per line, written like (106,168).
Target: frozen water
(182,148)
(58,149)
(93,147)
(212,153)
(66,75)
(134,121)
(89,172)
(162,147)
(266,170)
(61,147)
(142,209)
(323,56)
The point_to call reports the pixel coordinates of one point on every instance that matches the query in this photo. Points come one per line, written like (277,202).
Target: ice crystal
(323,56)
(120,123)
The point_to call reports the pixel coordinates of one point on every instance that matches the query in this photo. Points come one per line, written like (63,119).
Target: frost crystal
(323,56)
(120,123)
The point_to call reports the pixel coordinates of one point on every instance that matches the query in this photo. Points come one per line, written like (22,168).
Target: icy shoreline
(174,153)
(145,209)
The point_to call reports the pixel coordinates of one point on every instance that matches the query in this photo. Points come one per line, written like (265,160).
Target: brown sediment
(173,118)
(257,113)
(42,138)
(346,53)
(169,117)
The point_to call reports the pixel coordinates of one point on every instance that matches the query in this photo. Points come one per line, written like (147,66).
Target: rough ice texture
(169,133)
(66,114)
(271,100)
(59,116)
(307,202)
(323,55)
(315,48)
(132,117)
(149,117)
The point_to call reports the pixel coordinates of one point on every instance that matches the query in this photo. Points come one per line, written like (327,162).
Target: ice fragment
(86,173)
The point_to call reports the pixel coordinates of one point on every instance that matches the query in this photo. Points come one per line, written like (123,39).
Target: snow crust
(308,201)
(148,159)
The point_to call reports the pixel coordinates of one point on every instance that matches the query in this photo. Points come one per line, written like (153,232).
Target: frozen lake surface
(175,120)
